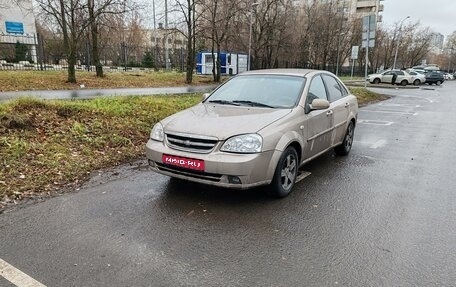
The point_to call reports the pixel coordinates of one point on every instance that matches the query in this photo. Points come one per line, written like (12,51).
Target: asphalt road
(383,216)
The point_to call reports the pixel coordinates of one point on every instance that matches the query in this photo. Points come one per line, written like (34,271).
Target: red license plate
(189,163)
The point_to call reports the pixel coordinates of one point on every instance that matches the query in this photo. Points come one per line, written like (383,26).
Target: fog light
(234,179)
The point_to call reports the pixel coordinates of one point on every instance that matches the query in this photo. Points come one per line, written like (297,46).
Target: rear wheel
(377,81)
(345,147)
(438,83)
(416,82)
(404,83)
(285,173)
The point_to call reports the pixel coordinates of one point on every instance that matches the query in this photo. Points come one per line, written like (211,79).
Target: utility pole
(450,53)
(398,41)
(166,37)
(250,34)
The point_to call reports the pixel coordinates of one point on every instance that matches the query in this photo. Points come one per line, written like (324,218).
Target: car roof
(287,72)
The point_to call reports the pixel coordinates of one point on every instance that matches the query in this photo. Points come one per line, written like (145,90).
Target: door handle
(330,112)
(347,105)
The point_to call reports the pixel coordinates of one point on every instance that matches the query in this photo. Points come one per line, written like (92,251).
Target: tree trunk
(94,34)
(71,67)
(218,65)
(190,51)
(71,58)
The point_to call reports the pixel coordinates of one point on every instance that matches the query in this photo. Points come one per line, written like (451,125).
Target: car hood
(222,121)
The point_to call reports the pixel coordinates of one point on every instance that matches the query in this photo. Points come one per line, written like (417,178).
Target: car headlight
(249,143)
(157,132)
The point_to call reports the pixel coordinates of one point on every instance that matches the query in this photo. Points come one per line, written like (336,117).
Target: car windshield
(267,91)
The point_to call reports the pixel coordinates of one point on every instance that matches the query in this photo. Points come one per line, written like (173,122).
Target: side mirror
(205,96)
(319,104)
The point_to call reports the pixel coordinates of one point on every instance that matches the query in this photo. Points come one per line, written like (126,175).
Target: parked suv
(256,129)
(435,77)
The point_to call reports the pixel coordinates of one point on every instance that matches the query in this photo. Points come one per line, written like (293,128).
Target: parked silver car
(256,129)
(417,78)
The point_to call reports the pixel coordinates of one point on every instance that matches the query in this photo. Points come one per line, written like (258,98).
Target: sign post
(354,56)
(368,36)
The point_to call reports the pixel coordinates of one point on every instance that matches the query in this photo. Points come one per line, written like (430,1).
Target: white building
(437,41)
(17,24)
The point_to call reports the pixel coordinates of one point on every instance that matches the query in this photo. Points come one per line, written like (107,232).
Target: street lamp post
(250,33)
(398,41)
(450,53)
(338,52)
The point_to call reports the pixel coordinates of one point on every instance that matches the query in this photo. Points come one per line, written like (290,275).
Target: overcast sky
(439,15)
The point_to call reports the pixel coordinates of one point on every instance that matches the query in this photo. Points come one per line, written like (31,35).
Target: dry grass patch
(366,97)
(45,145)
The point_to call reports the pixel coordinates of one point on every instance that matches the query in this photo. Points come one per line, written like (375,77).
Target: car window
(412,73)
(400,73)
(271,90)
(333,87)
(342,88)
(317,90)
(388,73)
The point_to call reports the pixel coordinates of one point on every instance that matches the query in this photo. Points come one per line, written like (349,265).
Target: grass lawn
(47,145)
(56,80)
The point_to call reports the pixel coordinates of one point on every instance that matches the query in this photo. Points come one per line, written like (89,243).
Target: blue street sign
(14,27)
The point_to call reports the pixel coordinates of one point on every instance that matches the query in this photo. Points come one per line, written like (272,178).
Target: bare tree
(188,9)
(74,18)
(217,20)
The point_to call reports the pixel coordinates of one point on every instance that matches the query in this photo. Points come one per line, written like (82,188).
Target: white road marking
(415,97)
(302,175)
(379,143)
(377,123)
(391,112)
(16,276)
(399,105)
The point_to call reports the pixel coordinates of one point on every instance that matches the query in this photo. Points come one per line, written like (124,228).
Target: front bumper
(239,171)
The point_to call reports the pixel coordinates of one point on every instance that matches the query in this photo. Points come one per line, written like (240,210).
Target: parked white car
(403,78)
(448,76)
(417,78)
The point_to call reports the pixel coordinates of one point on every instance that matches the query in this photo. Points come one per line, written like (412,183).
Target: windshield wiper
(224,102)
(254,104)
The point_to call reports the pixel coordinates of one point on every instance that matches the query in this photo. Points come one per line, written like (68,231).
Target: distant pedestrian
(393,82)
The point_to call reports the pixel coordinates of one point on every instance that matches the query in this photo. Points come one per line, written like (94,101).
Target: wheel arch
(291,138)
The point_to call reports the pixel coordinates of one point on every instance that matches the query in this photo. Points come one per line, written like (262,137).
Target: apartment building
(361,8)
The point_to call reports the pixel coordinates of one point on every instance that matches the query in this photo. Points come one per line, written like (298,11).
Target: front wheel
(345,147)
(438,83)
(285,173)
(416,82)
(376,81)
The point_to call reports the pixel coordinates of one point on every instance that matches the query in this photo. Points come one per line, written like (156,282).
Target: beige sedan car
(256,129)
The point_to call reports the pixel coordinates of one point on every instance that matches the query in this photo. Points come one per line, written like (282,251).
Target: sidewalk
(94,93)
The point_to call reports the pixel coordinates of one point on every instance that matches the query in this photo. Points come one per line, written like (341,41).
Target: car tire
(404,83)
(345,147)
(376,81)
(416,82)
(285,173)
(438,83)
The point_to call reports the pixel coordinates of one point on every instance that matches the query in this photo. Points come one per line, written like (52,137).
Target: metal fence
(19,52)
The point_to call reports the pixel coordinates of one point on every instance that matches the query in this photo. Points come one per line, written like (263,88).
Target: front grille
(192,173)
(191,143)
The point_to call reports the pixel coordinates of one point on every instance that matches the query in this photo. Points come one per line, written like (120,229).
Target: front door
(319,122)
